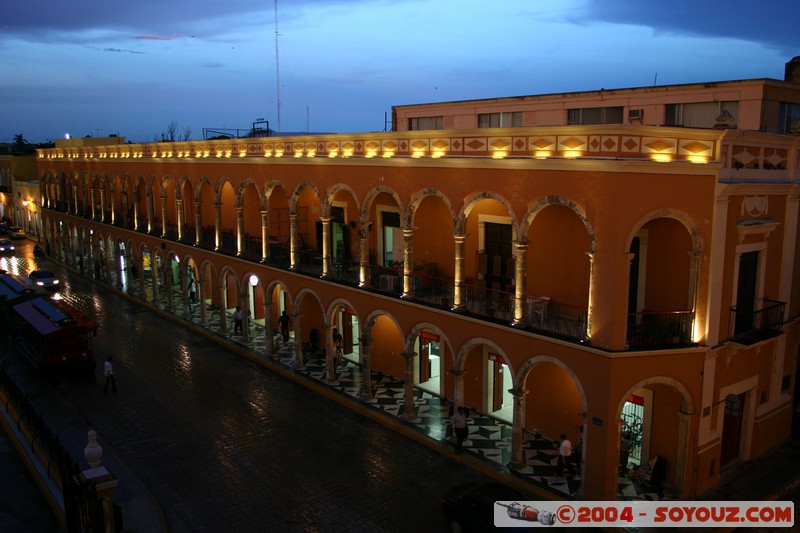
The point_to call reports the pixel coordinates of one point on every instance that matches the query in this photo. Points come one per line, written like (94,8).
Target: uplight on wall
(436,154)
(542,154)
(700,159)
(416,154)
(661,158)
(499,154)
(333,153)
(572,154)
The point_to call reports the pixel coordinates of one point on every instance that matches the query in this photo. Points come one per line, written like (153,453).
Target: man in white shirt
(108,370)
(564,451)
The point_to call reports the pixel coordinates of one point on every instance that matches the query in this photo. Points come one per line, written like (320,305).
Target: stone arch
(419,196)
(468,346)
(370,198)
(421,326)
(529,364)
(687,410)
(675,214)
(471,201)
(298,191)
(239,201)
(327,199)
(537,206)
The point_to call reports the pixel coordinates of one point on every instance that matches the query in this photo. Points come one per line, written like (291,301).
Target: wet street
(224,444)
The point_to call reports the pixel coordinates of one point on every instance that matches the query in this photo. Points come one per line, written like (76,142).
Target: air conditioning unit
(635,114)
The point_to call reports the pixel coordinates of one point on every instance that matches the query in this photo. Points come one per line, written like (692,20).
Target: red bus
(55,336)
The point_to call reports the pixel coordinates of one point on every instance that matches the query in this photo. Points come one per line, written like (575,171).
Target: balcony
(649,330)
(541,314)
(750,327)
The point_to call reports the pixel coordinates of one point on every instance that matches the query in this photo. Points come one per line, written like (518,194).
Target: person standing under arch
(285,323)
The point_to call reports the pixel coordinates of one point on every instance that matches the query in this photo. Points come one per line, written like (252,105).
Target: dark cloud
(43,19)
(773,23)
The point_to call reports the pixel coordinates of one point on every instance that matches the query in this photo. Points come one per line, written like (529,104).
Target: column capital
(408,355)
(518,393)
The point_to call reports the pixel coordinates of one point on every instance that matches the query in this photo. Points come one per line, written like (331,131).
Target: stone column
(187,310)
(458,274)
(125,221)
(245,304)
(299,360)
(518,426)
(326,246)
(330,350)
(409,409)
(269,338)
(163,215)
(91,203)
(154,276)
(201,294)
(366,367)
(239,231)
(119,267)
(223,309)
(264,235)
(148,203)
(102,204)
(179,203)
(363,260)
(168,283)
(520,282)
(458,386)
(139,275)
(75,199)
(136,218)
(217,225)
(293,241)
(408,263)
(198,225)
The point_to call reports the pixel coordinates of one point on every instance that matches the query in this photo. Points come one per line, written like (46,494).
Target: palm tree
(19,140)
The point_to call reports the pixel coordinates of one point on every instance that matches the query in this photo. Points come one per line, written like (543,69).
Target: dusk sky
(87,67)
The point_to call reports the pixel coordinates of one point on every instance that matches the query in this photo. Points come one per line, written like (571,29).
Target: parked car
(15,232)
(471,506)
(44,279)
(6,246)
(4,228)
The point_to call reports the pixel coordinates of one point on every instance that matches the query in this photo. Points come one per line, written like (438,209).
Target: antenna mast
(277,69)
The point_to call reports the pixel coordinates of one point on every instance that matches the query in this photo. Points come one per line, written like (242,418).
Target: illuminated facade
(638,281)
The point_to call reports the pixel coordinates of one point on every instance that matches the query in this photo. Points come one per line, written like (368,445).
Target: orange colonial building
(636,280)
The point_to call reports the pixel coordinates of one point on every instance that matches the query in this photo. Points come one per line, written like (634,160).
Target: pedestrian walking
(192,291)
(285,323)
(564,451)
(108,370)
(460,427)
(337,346)
(237,320)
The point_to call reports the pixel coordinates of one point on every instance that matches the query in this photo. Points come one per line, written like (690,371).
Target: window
(500,120)
(789,120)
(702,114)
(595,115)
(426,123)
